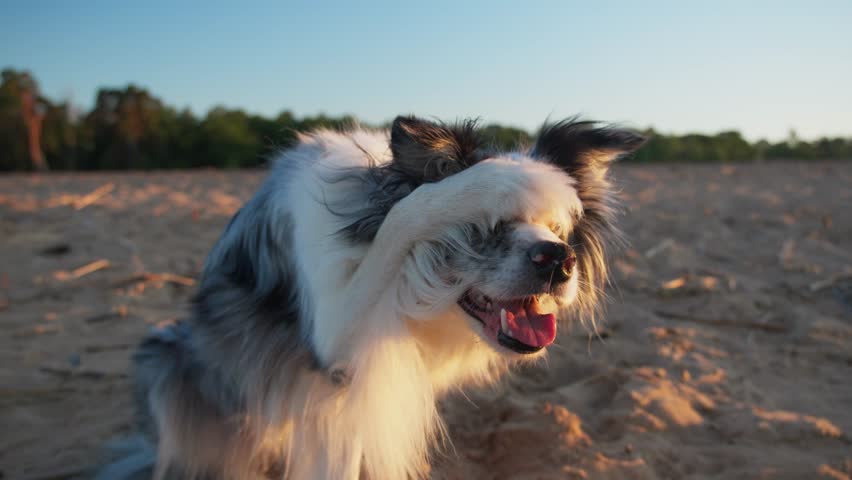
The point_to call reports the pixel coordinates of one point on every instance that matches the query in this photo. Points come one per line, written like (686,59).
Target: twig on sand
(93,197)
(155,277)
(723,322)
(830,281)
(674,284)
(80,202)
(93,374)
(690,284)
(658,248)
(82,271)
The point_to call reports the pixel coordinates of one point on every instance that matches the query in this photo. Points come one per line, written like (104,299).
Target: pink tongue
(530,326)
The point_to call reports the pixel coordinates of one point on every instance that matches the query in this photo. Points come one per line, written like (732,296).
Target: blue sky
(758,66)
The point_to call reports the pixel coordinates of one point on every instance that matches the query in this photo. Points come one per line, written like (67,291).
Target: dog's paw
(493,189)
(498,179)
(513,187)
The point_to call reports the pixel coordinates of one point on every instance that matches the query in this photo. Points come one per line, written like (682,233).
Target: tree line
(129,128)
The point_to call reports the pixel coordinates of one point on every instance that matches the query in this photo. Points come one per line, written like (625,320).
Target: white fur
(367,302)
(331,314)
(235,392)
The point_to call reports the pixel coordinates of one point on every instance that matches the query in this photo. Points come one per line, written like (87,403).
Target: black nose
(552,261)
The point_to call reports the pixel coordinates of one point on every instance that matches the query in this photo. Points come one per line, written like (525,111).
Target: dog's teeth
(504,323)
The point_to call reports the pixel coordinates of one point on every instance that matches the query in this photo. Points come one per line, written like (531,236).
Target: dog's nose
(553,261)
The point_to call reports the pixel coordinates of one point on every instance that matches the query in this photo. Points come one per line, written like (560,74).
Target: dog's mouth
(522,324)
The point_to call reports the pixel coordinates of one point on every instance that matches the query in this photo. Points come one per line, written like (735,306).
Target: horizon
(678,69)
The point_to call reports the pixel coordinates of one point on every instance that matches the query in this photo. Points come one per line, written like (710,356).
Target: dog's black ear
(586,150)
(583,147)
(429,152)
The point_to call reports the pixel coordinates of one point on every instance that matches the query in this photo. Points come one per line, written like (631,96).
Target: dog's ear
(584,149)
(429,152)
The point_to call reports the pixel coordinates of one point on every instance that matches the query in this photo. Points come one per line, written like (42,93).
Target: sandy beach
(726,351)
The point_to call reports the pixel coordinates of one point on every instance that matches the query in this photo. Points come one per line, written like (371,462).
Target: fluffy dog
(373,272)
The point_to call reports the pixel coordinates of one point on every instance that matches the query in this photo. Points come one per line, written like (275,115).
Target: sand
(726,351)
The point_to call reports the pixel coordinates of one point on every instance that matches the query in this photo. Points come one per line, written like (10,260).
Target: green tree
(506,138)
(14,153)
(129,128)
(227,140)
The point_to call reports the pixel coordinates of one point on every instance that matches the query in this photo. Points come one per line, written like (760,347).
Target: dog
(373,272)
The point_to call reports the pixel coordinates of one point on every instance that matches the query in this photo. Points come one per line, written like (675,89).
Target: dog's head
(511,278)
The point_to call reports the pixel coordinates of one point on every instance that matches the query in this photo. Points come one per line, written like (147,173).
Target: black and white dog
(373,272)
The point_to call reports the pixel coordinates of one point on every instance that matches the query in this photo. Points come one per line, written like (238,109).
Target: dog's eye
(557,228)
